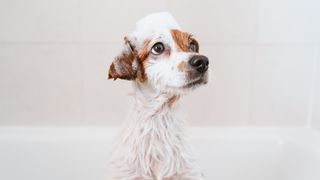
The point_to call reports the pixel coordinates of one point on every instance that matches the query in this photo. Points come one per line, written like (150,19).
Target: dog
(164,64)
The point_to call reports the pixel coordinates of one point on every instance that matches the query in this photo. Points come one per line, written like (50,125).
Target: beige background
(264,55)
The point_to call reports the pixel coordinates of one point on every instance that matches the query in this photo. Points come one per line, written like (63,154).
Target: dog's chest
(161,151)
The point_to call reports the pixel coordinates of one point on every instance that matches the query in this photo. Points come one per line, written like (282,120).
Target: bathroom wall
(315,111)
(54,57)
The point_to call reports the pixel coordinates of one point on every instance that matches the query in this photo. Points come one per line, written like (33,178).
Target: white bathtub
(224,153)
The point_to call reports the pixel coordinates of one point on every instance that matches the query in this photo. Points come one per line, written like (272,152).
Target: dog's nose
(200,63)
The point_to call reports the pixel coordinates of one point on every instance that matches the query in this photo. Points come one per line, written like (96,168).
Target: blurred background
(264,57)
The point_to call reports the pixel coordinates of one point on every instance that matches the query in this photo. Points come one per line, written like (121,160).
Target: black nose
(200,63)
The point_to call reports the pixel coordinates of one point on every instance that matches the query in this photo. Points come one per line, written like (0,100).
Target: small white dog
(164,63)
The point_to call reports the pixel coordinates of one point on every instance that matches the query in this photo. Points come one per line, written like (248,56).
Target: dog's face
(169,60)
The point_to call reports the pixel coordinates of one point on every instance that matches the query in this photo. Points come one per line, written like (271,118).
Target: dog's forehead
(174,37)
(164,36)
(160,27)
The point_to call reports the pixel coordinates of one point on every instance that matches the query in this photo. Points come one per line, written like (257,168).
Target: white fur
(152,144)
(163,73)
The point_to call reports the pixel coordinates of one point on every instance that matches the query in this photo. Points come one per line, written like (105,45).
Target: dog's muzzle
(200,63)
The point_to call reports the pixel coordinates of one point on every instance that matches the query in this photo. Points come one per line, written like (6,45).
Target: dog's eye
(157,49)
(193,46)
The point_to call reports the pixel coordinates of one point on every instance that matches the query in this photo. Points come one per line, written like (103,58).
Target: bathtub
(223,153)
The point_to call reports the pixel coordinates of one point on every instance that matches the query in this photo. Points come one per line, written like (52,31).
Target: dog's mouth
(196,82)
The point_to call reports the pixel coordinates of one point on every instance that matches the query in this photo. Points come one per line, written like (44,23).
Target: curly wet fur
(152,145)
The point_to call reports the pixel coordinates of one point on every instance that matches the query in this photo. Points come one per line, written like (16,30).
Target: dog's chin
(197,82)
(188,86)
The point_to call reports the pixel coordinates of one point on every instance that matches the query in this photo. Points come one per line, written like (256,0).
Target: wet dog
(164,63)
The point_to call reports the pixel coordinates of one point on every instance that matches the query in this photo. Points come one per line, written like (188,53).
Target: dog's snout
(200,63)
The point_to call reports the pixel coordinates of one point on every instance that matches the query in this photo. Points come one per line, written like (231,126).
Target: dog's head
(159,55)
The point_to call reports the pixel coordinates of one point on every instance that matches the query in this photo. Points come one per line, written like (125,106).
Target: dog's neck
(153,102)
(153,113)
(154,133)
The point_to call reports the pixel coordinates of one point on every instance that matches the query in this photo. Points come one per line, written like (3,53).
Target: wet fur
(152,144)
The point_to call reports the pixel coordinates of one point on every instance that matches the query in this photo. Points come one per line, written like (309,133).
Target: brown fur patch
(169,103)
(112,72)
(183,40)
(144,52)
(143,56)
(182,66)
(122,67)
(172,100)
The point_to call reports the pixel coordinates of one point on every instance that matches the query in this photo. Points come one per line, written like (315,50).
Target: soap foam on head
(154,23)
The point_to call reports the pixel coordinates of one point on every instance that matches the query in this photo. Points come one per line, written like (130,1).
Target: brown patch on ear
(143,56)
(183,40)
(182,66)
(112,72)
(144,52)
(122,66)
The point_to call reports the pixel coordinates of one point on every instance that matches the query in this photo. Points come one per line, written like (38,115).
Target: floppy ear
(124,65)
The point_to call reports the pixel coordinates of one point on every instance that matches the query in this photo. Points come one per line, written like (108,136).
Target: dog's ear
(124,65)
